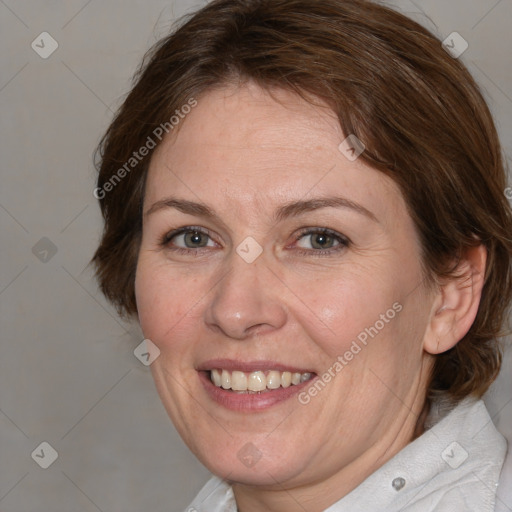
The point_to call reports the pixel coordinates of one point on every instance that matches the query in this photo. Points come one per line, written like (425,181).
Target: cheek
(165,301)
(336,310)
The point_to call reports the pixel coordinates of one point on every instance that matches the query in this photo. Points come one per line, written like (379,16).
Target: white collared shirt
(453,467)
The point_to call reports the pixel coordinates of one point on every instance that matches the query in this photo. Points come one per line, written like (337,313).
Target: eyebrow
(187,207)
(285,211)
(299,207)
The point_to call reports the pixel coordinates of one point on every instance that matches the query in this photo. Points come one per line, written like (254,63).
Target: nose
(246,301)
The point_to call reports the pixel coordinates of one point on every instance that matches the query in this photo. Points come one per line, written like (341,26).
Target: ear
(456,303)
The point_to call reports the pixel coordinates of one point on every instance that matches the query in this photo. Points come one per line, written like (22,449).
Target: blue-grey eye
(191,240)
(320,240)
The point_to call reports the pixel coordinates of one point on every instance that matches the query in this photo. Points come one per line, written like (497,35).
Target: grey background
(68,375)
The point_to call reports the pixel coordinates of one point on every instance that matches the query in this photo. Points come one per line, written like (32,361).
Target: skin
(244,155)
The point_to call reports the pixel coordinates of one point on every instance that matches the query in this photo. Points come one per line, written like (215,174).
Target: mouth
(252,386)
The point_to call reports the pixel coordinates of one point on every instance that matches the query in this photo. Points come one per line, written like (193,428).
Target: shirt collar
(457,462)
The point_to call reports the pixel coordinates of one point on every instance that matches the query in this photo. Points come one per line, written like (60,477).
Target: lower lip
(248,402)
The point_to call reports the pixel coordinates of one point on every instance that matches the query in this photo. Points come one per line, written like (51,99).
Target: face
(273,264)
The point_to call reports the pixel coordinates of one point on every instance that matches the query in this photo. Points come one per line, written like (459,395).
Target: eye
(321,240)
(188,239)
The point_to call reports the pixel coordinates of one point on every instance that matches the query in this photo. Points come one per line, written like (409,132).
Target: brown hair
(418,111)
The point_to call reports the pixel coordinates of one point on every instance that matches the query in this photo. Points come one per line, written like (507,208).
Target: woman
(304,206)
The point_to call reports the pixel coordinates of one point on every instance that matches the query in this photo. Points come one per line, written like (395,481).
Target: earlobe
(456,303)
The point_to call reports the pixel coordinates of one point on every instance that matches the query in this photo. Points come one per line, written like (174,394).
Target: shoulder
(504,494)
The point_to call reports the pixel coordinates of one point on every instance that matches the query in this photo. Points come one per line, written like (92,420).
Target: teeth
(226,379)
(216,378)
(256,381)
(273,380)
(238,381)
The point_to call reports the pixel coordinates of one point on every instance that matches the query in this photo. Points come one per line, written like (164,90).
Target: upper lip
(249,366)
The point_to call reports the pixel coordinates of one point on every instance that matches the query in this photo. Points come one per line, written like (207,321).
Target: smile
(252,386)
(257,381)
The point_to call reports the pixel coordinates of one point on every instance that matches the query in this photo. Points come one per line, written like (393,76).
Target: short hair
(390,82)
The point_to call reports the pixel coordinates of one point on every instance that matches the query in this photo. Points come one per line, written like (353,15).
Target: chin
(267,464)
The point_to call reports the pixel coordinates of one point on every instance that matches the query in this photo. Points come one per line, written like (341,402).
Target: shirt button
(398,483)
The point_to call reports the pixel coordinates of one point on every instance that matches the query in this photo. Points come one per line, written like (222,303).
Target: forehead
(243,121)
(249,146)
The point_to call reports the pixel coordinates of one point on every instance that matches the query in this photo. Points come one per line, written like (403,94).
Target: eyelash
(187,229)
(343,242)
